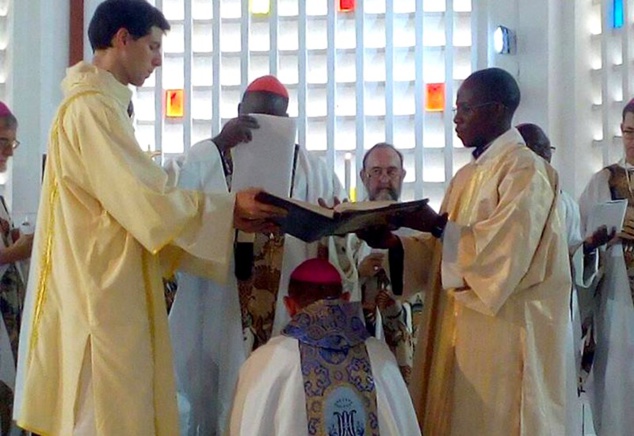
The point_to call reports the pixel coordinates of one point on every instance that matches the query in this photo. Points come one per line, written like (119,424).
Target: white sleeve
(597,191)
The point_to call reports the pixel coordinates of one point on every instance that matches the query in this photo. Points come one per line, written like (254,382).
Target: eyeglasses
(466,109)
(391,172)
(6,143)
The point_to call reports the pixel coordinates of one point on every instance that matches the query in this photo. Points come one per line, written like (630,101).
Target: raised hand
(235,131)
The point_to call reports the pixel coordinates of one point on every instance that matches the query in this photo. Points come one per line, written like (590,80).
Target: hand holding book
(252,216)
(424,219)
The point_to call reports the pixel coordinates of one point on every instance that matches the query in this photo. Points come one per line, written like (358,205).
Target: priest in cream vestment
(491,353)
(95,355)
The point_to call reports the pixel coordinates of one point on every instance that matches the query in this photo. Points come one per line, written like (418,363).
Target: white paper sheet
(267,161)
(610,214)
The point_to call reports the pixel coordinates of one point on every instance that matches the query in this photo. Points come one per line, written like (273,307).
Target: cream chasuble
(492,343)
(106,214)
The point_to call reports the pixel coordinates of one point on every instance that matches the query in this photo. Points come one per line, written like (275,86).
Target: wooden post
(76,32)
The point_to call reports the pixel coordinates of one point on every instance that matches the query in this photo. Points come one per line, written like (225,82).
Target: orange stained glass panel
(435,97)
(346,5)
(174,103)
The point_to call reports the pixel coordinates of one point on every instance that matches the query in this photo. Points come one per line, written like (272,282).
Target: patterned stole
(617,182)
(338,382)
(6,235)
(12,290)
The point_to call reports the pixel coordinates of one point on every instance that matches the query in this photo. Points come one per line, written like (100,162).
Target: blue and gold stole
(338,382)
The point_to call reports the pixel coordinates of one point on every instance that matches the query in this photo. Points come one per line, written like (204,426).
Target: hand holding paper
(236,131)
(599,237)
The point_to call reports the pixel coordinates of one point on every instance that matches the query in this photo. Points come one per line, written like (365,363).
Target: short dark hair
(629,107)
(136,16)
(497,85)
(382,145)
(308,293)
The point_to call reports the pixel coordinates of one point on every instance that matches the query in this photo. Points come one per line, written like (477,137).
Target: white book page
(267,161)
(610,214)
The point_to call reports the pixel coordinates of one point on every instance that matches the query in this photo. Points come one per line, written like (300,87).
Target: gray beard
(386,194)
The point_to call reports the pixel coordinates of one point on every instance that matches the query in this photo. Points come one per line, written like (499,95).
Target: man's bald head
(536,140)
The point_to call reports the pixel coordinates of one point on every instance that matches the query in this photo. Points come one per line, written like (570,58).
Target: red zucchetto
(268,84)
(316,272)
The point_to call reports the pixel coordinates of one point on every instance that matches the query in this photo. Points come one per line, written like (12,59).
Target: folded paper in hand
(309,222)
(610,214)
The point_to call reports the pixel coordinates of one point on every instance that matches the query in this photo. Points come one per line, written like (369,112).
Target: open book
(309,222)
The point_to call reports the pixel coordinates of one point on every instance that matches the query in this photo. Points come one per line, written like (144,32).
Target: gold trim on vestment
(149,298)
(45,268)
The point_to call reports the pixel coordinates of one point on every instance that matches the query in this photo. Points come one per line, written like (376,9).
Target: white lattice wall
(355,78)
